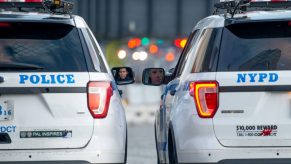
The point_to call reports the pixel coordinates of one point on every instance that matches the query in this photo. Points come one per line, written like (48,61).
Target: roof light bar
(54,6)
(233,7)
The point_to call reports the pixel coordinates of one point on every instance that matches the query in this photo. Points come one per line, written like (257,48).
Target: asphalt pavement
(141,144)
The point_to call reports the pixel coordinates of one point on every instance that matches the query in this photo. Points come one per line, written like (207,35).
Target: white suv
(229,99)
(58,99)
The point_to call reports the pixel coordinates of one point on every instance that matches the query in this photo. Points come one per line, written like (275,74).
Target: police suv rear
(58,100)
(229,97)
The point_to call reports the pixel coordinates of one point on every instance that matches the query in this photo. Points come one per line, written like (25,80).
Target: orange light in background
(170,56)
(183,43)
(131,43)
(154,49)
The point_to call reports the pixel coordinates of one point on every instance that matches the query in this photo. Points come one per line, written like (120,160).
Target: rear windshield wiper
(18,66)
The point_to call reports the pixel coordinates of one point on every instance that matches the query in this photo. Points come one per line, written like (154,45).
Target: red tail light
(206,97)
(99,94)
(5,24)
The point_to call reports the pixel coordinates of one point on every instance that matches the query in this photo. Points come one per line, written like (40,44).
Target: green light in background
(145,41)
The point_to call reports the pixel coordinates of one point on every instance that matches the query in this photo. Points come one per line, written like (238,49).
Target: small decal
(46,134)
(256,130)
(7,129)
(232,111)
(5,112)
(266,132)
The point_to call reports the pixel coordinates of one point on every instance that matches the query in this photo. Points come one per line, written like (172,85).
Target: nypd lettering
(47,79)
(257,77)
(7,129)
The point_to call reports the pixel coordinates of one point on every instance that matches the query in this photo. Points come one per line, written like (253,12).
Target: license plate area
(6,110)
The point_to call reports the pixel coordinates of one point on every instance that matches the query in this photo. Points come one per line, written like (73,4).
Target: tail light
(99,94)
(205,95)
(5,24)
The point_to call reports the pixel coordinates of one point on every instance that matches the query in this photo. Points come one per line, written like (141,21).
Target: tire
(157,150)
(172,153)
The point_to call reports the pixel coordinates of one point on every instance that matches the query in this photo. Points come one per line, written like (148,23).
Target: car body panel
(53,106)
(214,140)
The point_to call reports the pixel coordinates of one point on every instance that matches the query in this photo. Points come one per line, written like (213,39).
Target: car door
(172,85)
(171,88)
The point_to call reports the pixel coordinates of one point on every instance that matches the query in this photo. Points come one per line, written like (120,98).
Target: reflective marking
(257,77)
(47,79)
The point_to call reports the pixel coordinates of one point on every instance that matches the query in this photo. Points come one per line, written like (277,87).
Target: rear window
(52,47)
(256,47)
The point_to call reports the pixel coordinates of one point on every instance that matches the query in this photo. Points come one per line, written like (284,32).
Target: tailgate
(254,111)
(45,110)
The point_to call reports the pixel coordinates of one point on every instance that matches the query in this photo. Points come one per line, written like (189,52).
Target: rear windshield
(51,47)
(256,47)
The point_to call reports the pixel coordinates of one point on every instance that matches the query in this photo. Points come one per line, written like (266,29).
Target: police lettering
(257,77)
(47,79)
(7,129)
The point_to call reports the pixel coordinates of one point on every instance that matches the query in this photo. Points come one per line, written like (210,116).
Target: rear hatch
(255,85)
(43,87)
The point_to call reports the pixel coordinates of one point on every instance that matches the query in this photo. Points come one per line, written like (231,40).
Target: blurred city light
(121,54)
(154,49)
(170,56)
(183,43)
(160,41)
(180,43)
(177,42)
(137,41)
(145,41)
(136,56)
(133,43)
(143,55)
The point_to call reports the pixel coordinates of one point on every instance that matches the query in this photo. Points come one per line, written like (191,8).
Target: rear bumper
(42,162)
(239,156)
(107,145)
(257,161)
(196,143)
(61,156)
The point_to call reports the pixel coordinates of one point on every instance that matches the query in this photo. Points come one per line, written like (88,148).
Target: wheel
(158,157)
(173,159)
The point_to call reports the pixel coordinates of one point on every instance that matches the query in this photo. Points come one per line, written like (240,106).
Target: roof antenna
(240,4)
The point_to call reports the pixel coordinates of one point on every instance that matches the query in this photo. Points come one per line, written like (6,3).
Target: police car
(229,99)
(59,102)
